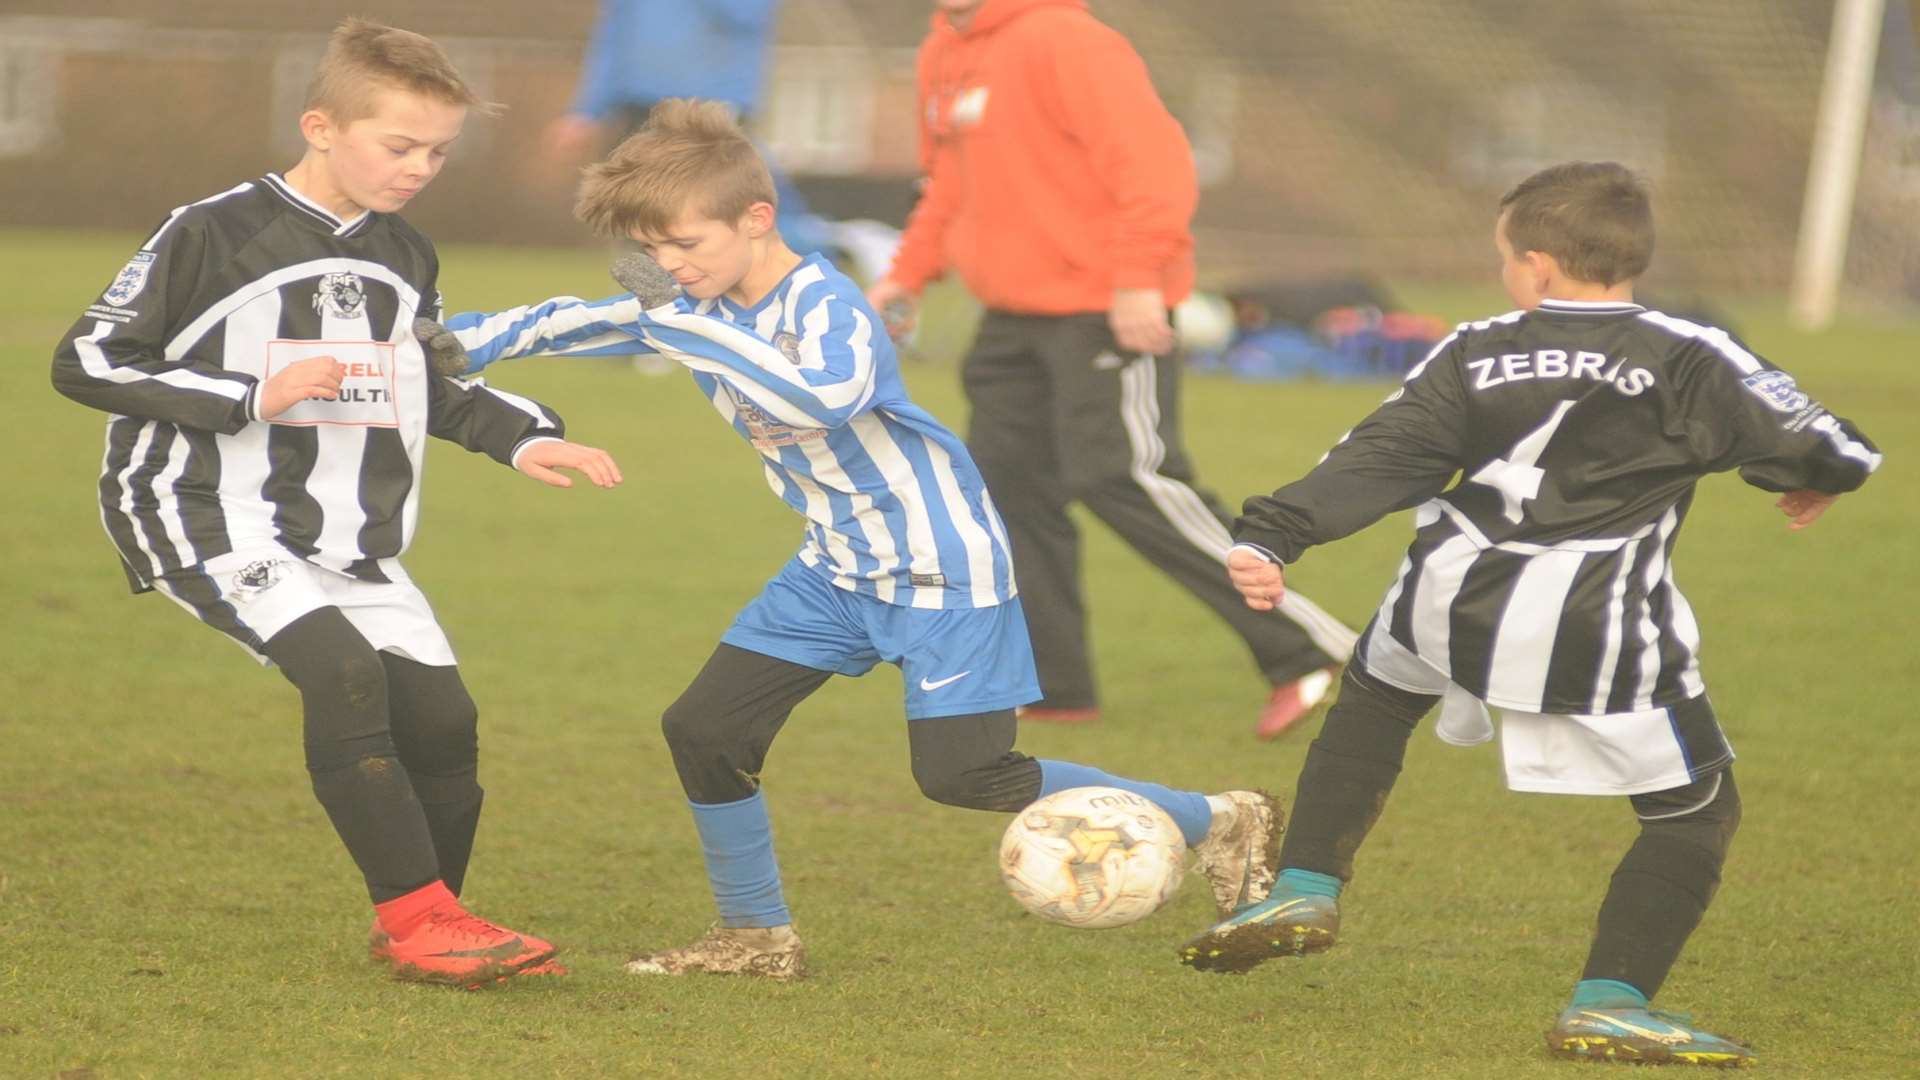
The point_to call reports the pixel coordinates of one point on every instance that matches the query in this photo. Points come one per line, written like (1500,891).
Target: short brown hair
(689,155)
(1593,217)
(363,56)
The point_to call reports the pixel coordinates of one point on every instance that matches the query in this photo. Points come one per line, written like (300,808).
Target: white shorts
(1627,753)
(251,596)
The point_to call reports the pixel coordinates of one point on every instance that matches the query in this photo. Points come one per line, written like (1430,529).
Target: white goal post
(1833,169)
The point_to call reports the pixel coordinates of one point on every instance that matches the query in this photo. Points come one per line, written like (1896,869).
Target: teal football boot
(1643,1037)
(1289,924)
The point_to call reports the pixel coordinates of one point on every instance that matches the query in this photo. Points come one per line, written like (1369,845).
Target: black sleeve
(115,359)
(473,414)
(1744,413)
(485,420)
(1401,455)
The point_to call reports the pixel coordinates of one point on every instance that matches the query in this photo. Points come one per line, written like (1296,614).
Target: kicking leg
(969,761)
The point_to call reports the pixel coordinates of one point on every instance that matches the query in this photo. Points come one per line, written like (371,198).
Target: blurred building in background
(1370,135)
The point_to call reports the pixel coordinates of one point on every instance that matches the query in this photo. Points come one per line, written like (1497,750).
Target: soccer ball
(1092,857)
(1205,323)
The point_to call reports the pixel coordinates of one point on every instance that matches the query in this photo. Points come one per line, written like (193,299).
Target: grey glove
(445,354)
(644,278)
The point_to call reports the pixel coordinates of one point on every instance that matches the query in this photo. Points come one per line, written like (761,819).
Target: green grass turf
(173,903)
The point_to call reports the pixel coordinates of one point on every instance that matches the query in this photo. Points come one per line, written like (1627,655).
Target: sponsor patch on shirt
(366,392)
(1777,389)
(763,431)
(929,581)
(130,280)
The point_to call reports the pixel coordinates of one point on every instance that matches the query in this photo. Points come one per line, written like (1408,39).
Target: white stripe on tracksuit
(1188,513)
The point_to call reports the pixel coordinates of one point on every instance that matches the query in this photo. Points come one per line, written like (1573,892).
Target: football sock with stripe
(1606,994)
(737,840)
(1188,809)
(1295,882)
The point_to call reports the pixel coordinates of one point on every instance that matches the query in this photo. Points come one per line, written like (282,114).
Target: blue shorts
(957,661)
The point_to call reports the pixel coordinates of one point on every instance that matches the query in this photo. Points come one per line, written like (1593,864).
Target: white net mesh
(1378,135)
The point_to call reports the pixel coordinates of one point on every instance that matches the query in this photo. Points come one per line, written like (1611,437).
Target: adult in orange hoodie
(1060,189)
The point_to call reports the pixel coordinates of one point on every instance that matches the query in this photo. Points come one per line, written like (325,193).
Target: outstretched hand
(542,458)
(1804,507)
(1260,581)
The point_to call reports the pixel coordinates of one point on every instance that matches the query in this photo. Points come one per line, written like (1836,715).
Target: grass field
(174,904)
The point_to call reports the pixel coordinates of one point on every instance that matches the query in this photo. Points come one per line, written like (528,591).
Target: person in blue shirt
(645,51)
(904,558)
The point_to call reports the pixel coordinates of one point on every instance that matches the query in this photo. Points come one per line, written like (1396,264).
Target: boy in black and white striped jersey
(1541,583)
(269,408)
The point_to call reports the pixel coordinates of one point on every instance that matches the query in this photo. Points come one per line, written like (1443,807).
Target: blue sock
(1606,994)
(737,840)
(1188,809)
(1307,883)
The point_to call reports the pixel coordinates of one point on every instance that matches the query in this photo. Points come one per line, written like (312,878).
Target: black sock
(451,824)
(1662,887)
(355,770)
(1350,769)
(435,729)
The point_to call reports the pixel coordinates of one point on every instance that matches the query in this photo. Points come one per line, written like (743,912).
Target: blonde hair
(690,155)
(364,56)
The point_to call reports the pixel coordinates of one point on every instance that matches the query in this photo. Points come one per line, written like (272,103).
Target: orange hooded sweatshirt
(1054,173)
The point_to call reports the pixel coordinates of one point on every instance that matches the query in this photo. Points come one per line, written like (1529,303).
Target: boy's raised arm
(1401,455)
(1743,413)
(562,326)
(128,354)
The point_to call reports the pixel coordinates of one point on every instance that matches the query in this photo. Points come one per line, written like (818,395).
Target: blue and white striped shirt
(896,509)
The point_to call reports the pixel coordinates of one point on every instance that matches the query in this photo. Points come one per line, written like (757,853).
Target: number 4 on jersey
(1515,476)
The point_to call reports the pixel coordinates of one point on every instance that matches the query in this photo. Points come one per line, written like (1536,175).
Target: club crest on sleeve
(341,295)
(1778,390)
(130,280)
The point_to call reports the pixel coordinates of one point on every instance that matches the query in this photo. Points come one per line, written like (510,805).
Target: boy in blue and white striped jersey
(904,558)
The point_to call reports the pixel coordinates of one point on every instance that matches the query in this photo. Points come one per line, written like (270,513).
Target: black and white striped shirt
(1543,580)
(227,292)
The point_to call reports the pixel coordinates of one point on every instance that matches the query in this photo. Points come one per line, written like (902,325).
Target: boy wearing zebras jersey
(1542,584)
(269,407)
(904,559)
